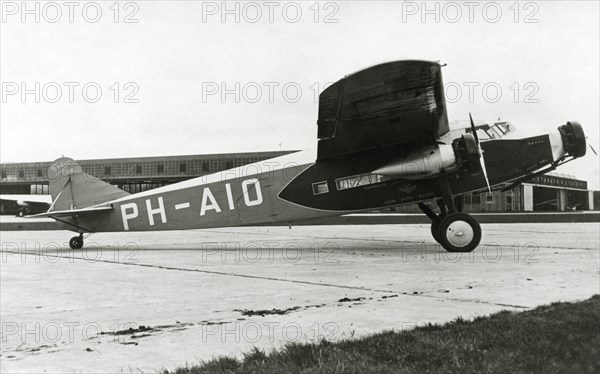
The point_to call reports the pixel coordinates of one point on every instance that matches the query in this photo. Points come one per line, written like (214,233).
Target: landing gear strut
(455,231)
(76,242)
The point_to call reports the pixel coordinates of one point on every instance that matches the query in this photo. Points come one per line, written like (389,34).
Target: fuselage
(295,187)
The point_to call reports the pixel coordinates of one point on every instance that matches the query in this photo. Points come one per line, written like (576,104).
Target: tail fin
(71,188)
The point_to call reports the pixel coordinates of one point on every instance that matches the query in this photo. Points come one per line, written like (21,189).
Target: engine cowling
(423,163)
(467,153)
(430,161)
(573,139)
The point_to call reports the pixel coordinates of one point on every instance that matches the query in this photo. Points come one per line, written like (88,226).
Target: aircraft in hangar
(383,141)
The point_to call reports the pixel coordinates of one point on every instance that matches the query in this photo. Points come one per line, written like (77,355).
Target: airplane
(382,142)
(27,204)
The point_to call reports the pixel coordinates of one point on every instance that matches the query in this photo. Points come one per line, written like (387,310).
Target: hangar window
(21,173)
(357,180)
(3,174)
(138,169)
(107,170)
(205,166)
(182,167)
(489,198)
(320,188)
(40,173)
(228,164)
(160,168)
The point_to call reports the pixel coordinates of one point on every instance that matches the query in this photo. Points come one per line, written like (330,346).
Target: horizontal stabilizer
(72,212)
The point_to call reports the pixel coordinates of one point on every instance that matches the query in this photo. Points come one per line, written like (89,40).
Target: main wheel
(435,230)
(459,232)
(76,242)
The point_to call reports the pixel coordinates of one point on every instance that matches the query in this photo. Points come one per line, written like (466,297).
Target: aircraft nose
(573,139)
(569,139)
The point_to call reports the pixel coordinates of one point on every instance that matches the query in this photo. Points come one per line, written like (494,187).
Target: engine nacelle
(422,163)
(573,139)
(467,153)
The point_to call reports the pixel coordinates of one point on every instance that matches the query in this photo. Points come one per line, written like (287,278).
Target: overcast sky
(166,64)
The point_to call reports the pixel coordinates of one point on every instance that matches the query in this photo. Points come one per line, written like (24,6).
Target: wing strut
(76,225)
(57,196)
(552,167)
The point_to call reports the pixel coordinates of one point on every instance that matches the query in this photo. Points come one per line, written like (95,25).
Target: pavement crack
(247,276)
(214,272)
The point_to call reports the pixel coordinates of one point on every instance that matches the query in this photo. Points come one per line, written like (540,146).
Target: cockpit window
(496,131)
(503,127)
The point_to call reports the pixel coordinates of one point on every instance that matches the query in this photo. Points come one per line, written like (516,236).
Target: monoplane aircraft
(383,141)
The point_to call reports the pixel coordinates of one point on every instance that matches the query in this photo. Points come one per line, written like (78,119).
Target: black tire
(435,229)
(76,242)
(459,232)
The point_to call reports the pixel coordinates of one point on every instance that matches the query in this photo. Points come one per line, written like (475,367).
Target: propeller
(481,160)
(589,145)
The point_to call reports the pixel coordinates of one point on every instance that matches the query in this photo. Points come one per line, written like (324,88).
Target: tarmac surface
(141,302)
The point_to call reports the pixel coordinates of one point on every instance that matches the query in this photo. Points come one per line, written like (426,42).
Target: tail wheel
(76,242)
(458,232)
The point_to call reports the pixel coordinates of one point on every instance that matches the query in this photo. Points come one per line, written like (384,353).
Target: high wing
(398,104)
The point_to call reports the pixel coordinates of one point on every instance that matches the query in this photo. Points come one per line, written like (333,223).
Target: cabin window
(357,180)
(320,188)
